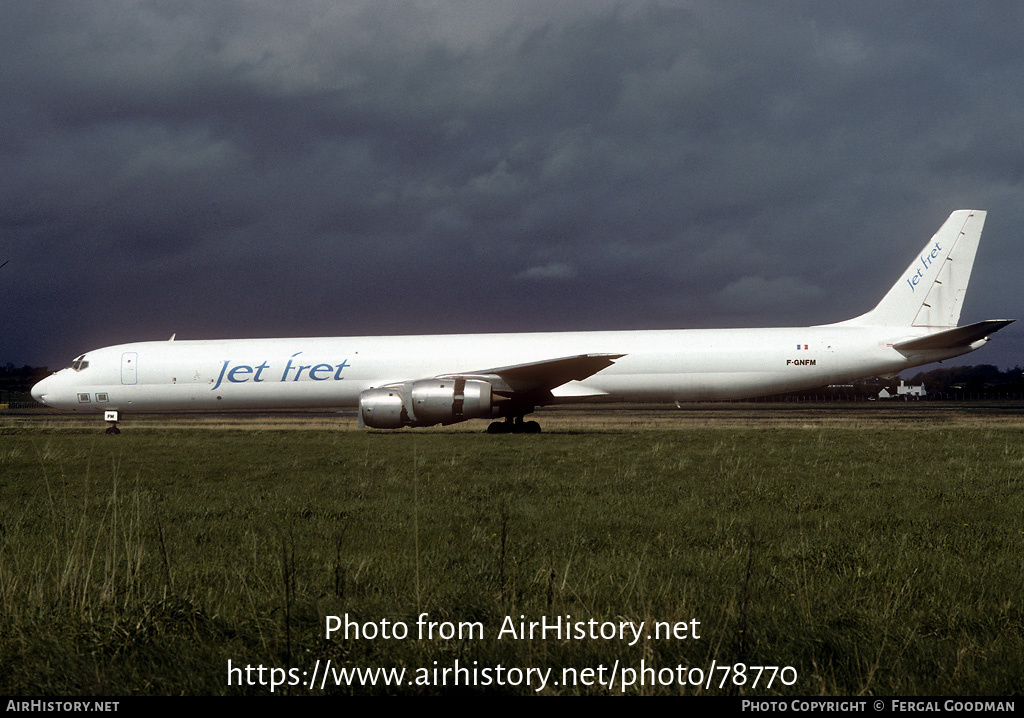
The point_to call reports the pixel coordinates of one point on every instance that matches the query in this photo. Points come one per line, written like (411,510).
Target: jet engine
(425,402)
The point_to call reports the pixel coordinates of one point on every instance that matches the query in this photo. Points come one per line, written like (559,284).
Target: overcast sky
(309,168)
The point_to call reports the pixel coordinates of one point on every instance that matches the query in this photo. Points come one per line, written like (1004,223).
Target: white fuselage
(656,366)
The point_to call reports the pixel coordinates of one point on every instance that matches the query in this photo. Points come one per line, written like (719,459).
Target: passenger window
(83,398)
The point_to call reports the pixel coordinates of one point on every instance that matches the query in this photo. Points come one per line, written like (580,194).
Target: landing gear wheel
(113,429)
(513,425)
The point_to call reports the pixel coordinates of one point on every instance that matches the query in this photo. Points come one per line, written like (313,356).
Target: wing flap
(953,338)
(575,390)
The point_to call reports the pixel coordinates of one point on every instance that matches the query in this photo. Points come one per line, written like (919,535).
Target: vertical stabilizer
(931,291)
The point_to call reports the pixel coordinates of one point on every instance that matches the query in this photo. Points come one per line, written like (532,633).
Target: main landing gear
(513,425)
(111,418)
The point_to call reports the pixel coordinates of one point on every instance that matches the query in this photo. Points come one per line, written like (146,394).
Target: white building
(907,392)
(915,392)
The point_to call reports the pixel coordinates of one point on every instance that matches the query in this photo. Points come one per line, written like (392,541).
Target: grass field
(875,550)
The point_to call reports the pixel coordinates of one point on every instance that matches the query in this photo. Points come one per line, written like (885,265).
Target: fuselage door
(128,368)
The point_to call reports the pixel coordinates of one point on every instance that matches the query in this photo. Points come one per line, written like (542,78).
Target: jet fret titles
(293,371)
(926,260)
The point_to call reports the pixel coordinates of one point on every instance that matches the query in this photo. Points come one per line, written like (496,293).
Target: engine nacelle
(425,403)
(382,409)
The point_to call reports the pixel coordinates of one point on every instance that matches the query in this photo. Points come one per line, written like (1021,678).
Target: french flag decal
(801,346)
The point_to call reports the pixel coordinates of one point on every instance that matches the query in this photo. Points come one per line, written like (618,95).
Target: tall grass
(873,559)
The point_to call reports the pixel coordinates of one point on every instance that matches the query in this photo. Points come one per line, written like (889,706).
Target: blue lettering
(259,370)
(241,373)
(288,367)
(344,363)
(318,368)
(926,262)
(238,370)
(221,377)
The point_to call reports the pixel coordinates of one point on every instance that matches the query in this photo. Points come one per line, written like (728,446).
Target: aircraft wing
(953,338)
(540,376)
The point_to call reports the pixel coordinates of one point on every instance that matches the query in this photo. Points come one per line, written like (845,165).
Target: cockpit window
(79,363)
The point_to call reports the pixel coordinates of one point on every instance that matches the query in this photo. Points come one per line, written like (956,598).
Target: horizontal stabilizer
(953,338)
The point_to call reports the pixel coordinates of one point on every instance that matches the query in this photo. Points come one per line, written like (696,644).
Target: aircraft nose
(39,391)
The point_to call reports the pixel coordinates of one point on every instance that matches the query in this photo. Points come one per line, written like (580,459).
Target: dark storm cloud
(263,168)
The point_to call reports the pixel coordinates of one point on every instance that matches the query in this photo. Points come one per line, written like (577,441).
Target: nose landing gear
(111,417)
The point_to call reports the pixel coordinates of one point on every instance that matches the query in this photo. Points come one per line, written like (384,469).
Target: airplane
(414,381)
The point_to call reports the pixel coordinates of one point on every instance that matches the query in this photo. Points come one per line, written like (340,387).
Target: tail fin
(931,292)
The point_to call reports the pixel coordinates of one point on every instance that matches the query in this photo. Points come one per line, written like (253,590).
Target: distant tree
(978,379)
